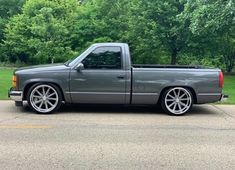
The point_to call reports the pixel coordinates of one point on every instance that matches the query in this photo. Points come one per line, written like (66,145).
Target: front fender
(63,85)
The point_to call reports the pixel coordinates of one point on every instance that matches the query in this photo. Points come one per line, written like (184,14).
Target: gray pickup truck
(103,74)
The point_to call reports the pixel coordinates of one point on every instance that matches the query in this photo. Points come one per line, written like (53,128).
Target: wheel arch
(30,84)
(187,87)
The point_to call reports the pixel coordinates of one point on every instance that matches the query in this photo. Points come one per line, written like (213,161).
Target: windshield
(75,60)
(67,63)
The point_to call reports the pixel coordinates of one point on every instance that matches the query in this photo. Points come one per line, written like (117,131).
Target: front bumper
(15,95)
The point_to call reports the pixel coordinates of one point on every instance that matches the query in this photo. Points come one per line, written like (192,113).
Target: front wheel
(44,98)
(177,101)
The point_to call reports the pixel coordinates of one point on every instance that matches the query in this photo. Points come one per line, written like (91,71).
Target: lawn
(6,76)
(229,88)
(5,82)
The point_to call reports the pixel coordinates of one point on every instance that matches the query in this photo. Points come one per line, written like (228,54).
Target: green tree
(120,21)
(8,8)
(213,24)
(141,35)
(169,25)
(101,20)
(43,32)
(163,31)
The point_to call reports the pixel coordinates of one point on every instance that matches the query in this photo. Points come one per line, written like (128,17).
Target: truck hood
(41,68)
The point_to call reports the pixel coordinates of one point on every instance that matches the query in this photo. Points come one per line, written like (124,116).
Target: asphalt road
(105,137)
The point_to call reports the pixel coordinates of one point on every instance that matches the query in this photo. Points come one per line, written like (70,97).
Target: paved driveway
(105,137)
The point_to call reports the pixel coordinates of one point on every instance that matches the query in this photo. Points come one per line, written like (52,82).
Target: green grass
(5,82)
(229,88)
(6,77)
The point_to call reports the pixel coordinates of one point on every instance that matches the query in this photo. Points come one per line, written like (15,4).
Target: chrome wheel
(44,98)
(178,100)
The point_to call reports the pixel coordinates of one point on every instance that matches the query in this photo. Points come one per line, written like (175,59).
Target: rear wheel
(177,101)
(44,98)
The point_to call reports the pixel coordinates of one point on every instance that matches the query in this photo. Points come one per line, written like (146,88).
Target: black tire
(55,104)
(177,106)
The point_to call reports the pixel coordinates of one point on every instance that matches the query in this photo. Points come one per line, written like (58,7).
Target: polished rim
(178,100)
(44,98)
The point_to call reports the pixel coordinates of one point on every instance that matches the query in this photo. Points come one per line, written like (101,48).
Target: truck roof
(109,44)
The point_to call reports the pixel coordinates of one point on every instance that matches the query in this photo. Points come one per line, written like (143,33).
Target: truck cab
(102,74)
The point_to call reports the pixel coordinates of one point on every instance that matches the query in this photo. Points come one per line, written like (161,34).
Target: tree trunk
(229,62)
(174,57)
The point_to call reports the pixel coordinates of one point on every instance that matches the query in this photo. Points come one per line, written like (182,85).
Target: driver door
(103,79)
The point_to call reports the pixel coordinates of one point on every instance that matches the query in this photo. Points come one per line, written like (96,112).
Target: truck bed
(149,80)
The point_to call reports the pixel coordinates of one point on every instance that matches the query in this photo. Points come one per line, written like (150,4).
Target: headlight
(14,81)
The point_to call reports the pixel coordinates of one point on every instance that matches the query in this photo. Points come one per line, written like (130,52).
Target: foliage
(213,23)
(170,27)
(8,8)
(165,31)
(42,32)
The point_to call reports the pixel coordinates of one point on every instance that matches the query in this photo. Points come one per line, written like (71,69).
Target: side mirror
(80,67)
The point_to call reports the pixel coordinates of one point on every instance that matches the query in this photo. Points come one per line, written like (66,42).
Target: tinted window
(103,58)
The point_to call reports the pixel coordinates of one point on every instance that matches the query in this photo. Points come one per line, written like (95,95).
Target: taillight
(14,81)
(221,79)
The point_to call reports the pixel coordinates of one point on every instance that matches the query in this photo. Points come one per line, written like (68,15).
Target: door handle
(121,77)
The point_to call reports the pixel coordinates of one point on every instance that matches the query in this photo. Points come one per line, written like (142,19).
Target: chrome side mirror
(79,67)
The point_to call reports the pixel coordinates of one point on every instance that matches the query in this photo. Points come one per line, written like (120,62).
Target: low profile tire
(177,101)
(44,98)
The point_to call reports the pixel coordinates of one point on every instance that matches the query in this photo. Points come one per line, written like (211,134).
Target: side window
(104,58)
